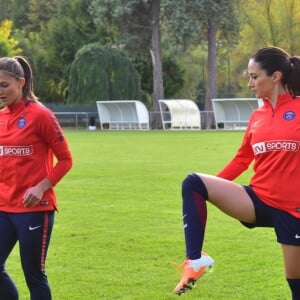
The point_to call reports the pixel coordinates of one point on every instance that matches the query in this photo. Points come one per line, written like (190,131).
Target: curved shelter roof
(180,114)
(123,114)
(234,113)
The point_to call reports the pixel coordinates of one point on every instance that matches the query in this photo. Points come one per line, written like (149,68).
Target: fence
(77,119)
(86,120)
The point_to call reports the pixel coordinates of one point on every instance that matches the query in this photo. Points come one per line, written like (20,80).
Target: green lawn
(119,229)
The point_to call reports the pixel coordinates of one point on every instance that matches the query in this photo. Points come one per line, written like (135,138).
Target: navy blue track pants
(32,231)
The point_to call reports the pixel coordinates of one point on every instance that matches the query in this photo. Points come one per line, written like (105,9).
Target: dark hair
(272,59)
(18,67)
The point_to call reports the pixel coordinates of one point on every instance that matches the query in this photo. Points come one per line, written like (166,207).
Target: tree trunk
(211,91)
(158,88)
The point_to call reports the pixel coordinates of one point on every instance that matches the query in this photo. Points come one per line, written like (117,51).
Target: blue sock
(295,288)
(194,196)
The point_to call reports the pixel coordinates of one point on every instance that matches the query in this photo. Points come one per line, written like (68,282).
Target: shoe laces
(180,266)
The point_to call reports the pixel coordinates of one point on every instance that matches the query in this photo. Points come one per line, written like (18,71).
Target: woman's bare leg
(229,197)
(291,255)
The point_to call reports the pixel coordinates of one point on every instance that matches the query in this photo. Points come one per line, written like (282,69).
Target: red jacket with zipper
(272,140)
(30,138)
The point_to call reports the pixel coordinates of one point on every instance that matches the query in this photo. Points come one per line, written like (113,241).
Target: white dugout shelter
(234,113)
(180,114)
(123,114)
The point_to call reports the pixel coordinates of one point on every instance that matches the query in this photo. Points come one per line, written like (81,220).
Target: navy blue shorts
(287,227)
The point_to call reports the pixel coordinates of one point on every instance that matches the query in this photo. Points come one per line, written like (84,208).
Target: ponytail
(272,59)
(294,80)
(18,67)
(28,86)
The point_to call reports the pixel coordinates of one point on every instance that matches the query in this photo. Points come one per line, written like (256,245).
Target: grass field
(119,228)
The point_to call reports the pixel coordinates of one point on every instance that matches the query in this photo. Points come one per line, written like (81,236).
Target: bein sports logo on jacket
(15,150)
(268,146)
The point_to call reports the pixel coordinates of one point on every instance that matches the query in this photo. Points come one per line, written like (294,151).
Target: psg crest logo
(289,116)
(22,122)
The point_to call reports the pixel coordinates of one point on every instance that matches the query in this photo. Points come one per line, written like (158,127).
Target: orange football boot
(192,273)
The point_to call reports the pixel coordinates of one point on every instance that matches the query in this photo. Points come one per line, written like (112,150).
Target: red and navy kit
(30,140)
(272,142)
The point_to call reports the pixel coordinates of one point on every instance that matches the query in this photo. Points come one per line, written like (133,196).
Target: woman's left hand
(32,196)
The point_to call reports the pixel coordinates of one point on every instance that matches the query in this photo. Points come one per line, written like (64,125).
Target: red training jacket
(30,137)
(272,140)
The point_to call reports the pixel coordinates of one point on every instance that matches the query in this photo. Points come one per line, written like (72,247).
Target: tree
(138,22)
(4,5)
(8,45)
(102,73)
(266,23)
(39,14)
(18,12)
(277,25)
(173,76)
(155,50)
(209,22)
(69,29)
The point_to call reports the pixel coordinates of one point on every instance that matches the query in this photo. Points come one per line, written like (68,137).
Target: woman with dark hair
(30,138)
(272,142)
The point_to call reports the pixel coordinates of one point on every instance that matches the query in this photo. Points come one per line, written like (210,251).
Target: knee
(193,182)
